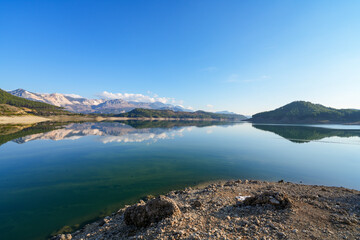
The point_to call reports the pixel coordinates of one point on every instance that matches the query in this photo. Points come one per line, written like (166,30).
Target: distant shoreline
(29,119)
(32,119)
(299,122)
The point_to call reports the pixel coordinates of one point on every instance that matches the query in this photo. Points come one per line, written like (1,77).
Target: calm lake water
(53,176)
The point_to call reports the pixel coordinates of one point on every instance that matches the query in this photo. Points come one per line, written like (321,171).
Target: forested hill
(150,113)
(28,106)
(307,112)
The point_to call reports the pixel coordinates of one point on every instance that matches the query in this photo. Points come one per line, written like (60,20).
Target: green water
(55,176)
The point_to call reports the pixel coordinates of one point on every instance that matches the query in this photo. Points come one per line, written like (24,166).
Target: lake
(56,177)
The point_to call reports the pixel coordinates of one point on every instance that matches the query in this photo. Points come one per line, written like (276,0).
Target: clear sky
(242,56)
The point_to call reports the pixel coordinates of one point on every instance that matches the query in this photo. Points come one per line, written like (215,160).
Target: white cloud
(135,97)
(189,108)
(210,106)
(138,97)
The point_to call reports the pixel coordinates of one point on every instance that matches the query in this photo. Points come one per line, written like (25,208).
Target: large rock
(277,199)
(141,215)
(62,237)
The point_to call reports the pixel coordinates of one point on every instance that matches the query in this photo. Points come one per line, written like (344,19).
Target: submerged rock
(142,215)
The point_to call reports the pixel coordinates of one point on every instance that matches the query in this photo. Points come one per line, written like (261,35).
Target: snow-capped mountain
(83,105)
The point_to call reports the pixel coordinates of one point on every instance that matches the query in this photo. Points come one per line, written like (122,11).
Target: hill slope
(149,113)
(307,112)
(28,106)
(7,110)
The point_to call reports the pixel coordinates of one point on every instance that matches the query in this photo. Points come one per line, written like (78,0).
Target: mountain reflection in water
(129,131)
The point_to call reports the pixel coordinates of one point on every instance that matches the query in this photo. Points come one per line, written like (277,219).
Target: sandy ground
(21,119)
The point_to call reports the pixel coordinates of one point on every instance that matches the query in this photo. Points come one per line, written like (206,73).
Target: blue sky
(242,56)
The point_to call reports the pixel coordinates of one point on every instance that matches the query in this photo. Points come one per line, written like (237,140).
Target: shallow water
(53,175)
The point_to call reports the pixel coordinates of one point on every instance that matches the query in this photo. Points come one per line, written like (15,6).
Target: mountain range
(83,105)
(298,112)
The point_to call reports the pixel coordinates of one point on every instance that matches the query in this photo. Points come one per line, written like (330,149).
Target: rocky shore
(236,210)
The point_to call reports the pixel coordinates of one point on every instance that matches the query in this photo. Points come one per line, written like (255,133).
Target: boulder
(62,237)
(196,204)
(277,199)
(142,215)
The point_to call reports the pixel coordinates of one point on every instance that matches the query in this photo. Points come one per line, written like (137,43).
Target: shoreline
(301,122)
(29,119)
(25,119)
(271,210)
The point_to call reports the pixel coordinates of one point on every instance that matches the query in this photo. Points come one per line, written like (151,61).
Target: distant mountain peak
(18,91)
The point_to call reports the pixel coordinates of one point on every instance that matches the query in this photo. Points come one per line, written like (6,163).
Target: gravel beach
(235,210)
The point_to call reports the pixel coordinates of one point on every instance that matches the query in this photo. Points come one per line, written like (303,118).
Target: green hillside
(307,112)
(150,113)
(33,107)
